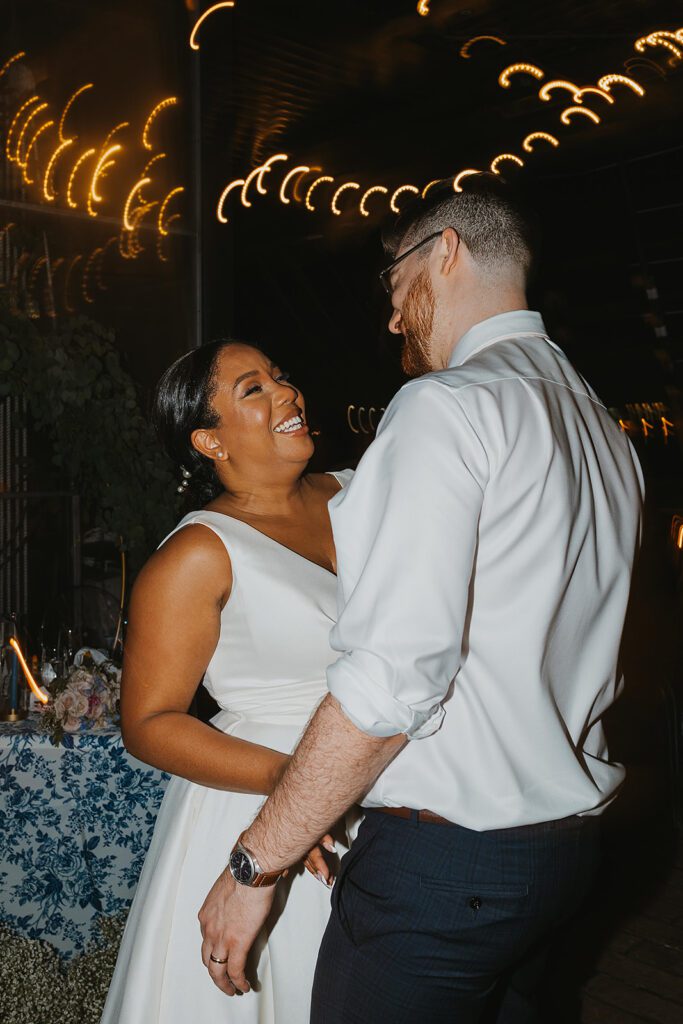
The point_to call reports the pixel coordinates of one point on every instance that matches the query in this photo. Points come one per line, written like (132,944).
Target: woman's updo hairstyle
(182,404)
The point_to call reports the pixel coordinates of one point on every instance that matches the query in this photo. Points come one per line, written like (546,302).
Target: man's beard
(417,316)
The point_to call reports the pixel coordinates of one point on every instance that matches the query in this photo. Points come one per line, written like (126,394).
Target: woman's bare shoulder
(193,553)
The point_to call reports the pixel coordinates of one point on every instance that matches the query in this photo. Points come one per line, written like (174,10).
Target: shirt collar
(517,321)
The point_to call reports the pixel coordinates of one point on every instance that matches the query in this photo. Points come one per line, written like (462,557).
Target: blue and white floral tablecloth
(75,827)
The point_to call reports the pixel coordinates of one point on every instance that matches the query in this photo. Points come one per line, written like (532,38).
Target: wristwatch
(246,870)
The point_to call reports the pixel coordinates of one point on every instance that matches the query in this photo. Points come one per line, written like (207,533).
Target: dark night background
(371,92)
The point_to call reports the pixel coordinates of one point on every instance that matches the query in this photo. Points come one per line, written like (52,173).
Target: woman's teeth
(290,425)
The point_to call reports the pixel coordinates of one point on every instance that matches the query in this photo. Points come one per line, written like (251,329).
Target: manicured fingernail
(321,878)
(330,847)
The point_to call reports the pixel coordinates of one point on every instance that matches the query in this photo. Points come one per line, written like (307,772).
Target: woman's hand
(315,861)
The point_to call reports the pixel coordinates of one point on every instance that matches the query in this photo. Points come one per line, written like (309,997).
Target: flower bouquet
(86,698)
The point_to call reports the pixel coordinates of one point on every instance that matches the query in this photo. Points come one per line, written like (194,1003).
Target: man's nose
(395,322)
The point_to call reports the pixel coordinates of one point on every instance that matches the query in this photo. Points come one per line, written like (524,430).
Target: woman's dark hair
(182,404)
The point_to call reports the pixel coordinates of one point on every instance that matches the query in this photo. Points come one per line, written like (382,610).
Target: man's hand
(231,917)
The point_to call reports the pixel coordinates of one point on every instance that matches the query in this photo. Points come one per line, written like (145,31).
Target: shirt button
(475,903)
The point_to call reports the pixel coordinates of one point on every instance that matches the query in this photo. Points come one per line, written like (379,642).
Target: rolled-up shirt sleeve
(406,536)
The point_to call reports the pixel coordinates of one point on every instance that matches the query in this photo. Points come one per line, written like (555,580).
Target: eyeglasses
(385,275)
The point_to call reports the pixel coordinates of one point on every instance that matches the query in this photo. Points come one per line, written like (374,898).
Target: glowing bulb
(86,271)
(318,181)
(47,180)
(465,49)
(237,183)
(22,133)
(8,63)
(423,8)
(558,83)
(519,69)
(69,103)
(660,38)
(348,419)
(609,80)
(202,18)
(160,238)
(362,205)
(163,229)
(266,168)
(301,169)
(112,133)
(567,114)
(397,193)
(342,188)
(430,184)
(36,136)
(84,156)
(545,136)
(14,123)
(40,694)
(296,191)
(667,426)
(129,200)
(595,91)
(679,538)
(103,162)
(151,162)
(169,102)
(463,174)
(505,156)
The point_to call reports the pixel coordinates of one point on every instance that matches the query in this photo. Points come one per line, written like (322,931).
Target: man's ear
(206,443)
(449,248)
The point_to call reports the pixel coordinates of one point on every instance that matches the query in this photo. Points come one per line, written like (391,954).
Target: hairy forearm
(333,766)
(177,743)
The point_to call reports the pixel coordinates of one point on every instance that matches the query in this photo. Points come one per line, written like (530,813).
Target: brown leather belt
(408,812)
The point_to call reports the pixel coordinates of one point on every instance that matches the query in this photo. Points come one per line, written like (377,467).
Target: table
(75,828)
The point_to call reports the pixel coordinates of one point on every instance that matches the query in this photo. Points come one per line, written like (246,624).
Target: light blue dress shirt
(485,548)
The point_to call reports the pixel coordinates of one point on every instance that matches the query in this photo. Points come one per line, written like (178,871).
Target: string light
(667,426)
(301,169)
(647,427)
(427,187)
(98,269)
(82,158)
(362,205)
(423,8)
(163,228)
(545,136)
(160,238)
(593,89)
(102,164)
(22,133)
(348,419)
(465,49)
(558,83)
(397,193)
(47,189)
(69,103)
(296,194)
(168,102)
(519,69)
(318,181)
(566,115)
(342,188)
(86,271)
(67,280)
(194,45)
(14,122)
(40,694)
(140,183)
(463,174)
(265,168)
(8,63)
(151,162)
(660,38)
(112,133)
(609,80)
(505,156)
(237,183)
(24,165)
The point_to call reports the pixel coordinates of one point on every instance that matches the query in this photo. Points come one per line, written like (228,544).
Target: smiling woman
(242,595)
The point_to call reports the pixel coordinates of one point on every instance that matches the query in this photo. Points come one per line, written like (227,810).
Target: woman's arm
(174,628)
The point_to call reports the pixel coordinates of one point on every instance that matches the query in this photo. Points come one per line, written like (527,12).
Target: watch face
(240,867)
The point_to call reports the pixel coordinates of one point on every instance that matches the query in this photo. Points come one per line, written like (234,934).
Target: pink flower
(72,706)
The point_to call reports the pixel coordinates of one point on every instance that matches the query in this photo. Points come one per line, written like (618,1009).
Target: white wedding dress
(267,674)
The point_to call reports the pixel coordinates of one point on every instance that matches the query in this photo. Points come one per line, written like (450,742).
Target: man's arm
(332,767)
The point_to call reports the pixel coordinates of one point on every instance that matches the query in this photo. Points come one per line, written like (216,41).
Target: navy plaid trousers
(437,924)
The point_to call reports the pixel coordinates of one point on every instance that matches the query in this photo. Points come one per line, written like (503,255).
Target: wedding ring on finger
(216,960)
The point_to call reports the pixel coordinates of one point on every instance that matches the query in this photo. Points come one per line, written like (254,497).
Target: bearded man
(485,549)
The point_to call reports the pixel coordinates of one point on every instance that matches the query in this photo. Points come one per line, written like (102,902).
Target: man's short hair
(495,226)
